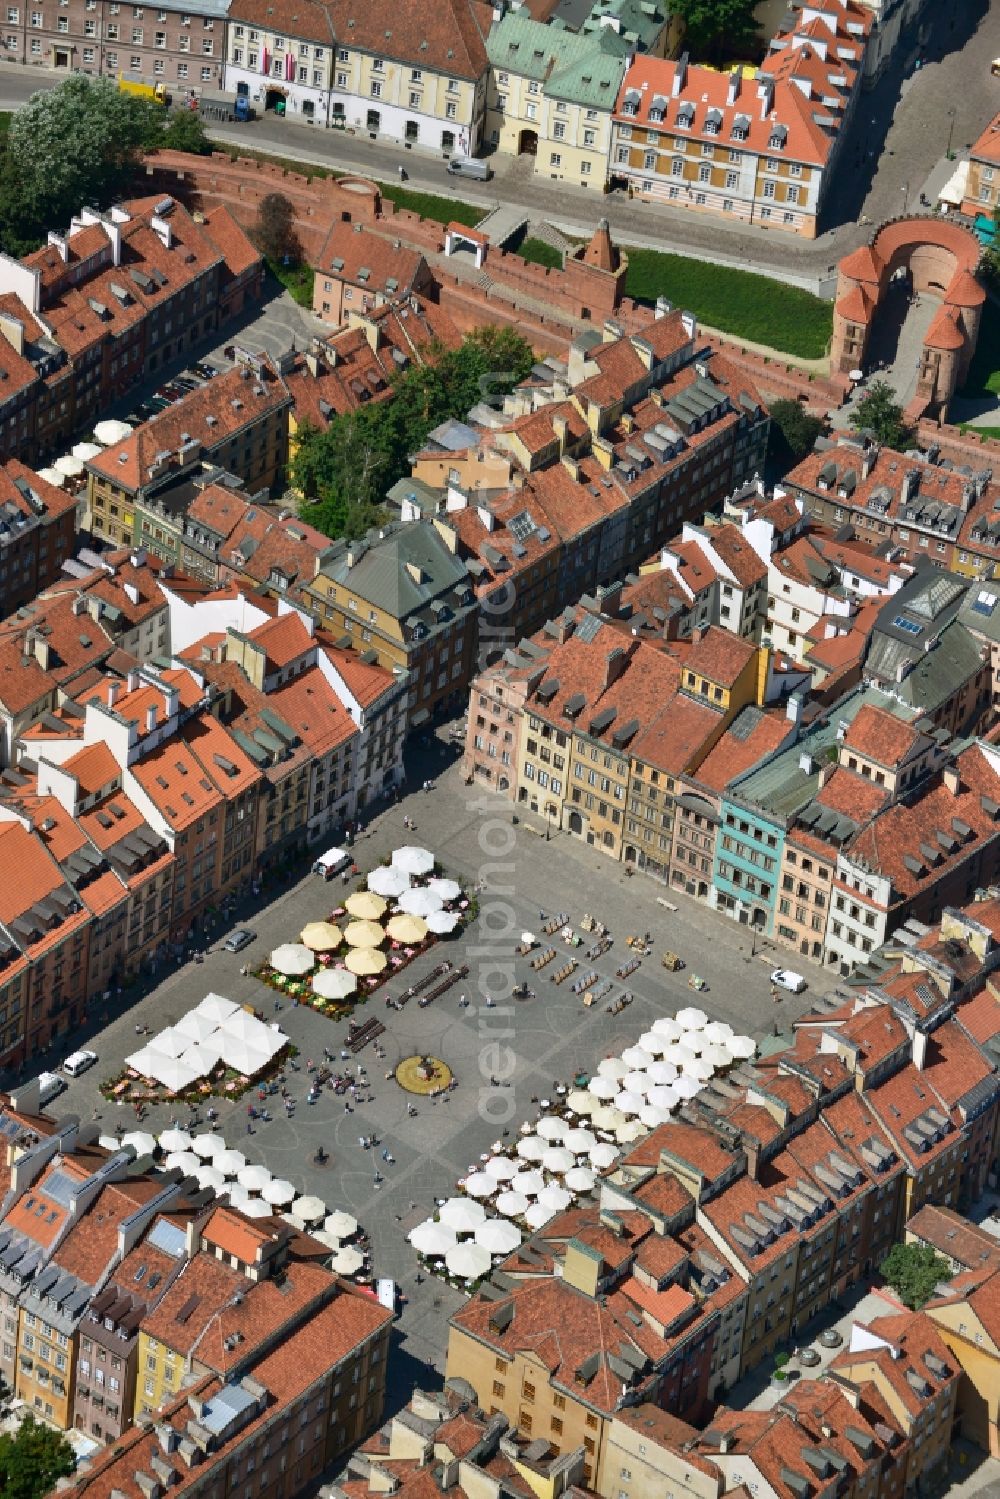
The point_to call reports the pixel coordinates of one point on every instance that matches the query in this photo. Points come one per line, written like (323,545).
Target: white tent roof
(580,1179)
(334,983)
(692,1019)
(141,1141)
(255,1208)
(254,1178)
(462,1214)
(629,1103)
(388,881)
(528,1183)
(419,902)
(195,1026)
(603,1087)
(213,1007)
(208,1146)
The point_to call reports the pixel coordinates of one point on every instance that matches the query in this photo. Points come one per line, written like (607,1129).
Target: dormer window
(777,138)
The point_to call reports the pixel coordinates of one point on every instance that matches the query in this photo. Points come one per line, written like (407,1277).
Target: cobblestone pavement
(550,1038)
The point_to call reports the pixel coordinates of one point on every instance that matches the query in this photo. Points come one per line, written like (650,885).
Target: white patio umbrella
(651,1117)
(717,1032)
(636,1057)
(500,1167)
(310,1209)
(579,1141)
(556,1198)
(68,465)
(293,959)
(718,1057)
(108,1142)
(175,1139)
(479,1184)
(210,1176)
(230,1161)
(238,1196)
(208,1146)
(448,890)
(629,1103)
(529,1183)
(340,1225)
(388,881)
(677,1054)
(278,1192)
(692,1019)
(686,1087)
(213,1007)
(290,1218)
(512,1204)
(664,1096)
(142,1142)
(468,1261)
(442,922)
(608,1118)
(629,1131)
(52,476)
(637,1082)
(85,451)
(661,1072)
(537,1216)
(531,1148)
(347,1261)
(551,1127)
(254,1178)
(693,1040)
(603,1087)
(580,1179)
(432,1239)
(322,1237)
(334,983)
(743,1047)
(699,1069)
(580,1101)
(528,939)
(497,1236)
(652,1042)
(182,1160)
(667,1027)
(419,902)
(558,1159)
(602,1156)
(111,431)
(463,1215)
(413,860)
(254,1207)
(612,1067)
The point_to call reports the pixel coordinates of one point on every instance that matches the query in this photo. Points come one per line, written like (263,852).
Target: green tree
(879,412)
(914,1271)
(717,28)
(274,229)
(793,432)
(78,143)
(184,130)
(32,1460)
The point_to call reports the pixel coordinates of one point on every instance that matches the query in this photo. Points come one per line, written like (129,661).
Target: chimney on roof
(133,681)
(42,651)
(952,779)
(151,718)
(765,93)
(680,75)
(615,663)
(735,83)
(868,458)
(911,484)
(113,690)
(793,708)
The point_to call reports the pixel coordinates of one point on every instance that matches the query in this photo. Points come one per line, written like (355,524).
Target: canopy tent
(255,1208)
(432,1239)
(205,1056)
(173,1073)
(170,1042)
(677,1054)
(329,1241)
(293,959)
(468,1261)
(364,934)
(245,1057)
(650,1117)
(365,905)
(334,983)
(480,1184)
(195,1026)
(238,1196)
(86,450)
(213,1007)
(529,1183)
(442,922)
(462,1214)
(413,860)
(717,1032)
(366,961)
(699,1069)
(406,929)
(389,881)
(290,1218)
(448,890)
(497,1236)
(742,1047)
(629,1103)
(419,902)
(52,476)
(512,1204)
(109,1142)
(68,465)
(321,936)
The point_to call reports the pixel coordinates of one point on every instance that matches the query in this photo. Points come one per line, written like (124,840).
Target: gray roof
(934,677)
(980,611)
(382,576)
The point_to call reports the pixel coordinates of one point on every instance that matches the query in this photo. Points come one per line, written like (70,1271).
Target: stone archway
(527,143)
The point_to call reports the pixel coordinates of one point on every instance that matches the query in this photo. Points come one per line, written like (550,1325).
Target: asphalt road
(900,132)
(526,1046)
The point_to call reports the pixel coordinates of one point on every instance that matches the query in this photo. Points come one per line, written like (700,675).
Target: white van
(79,1061)
(787,978)
(50,1085)
(333,862)
(470,166)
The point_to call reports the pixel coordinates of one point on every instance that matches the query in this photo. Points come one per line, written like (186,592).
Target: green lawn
(540,253)
(296,279)
(993,432)
(785,318)
(430,206)
(984,372)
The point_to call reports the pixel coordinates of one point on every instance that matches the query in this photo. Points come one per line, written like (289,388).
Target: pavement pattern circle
(423,1074)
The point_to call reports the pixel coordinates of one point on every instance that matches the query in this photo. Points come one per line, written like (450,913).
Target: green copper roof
(583,69)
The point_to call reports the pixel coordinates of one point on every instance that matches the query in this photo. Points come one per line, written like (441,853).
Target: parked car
(238,940)
(79,1061)
(50,1085)
(787,978)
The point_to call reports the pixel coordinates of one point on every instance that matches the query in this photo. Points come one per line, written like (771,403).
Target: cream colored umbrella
(340,1225)
(365,905)
(364,934)
(334,983)
(321,936)
(347,1261)
(293,959)
(602,1156)
(365,961)
(111,431)
(608,1118)
(86,450)
(579,1101)
(406,929)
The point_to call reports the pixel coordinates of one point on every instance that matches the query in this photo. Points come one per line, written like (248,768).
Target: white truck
(333,862)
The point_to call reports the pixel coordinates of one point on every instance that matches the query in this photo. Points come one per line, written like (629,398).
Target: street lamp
(905,190)
(951,130)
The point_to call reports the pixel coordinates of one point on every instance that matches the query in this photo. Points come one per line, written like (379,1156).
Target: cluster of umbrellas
(216,1030)
(71,464)
(418,910)
(556,1160)
(251,1189)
